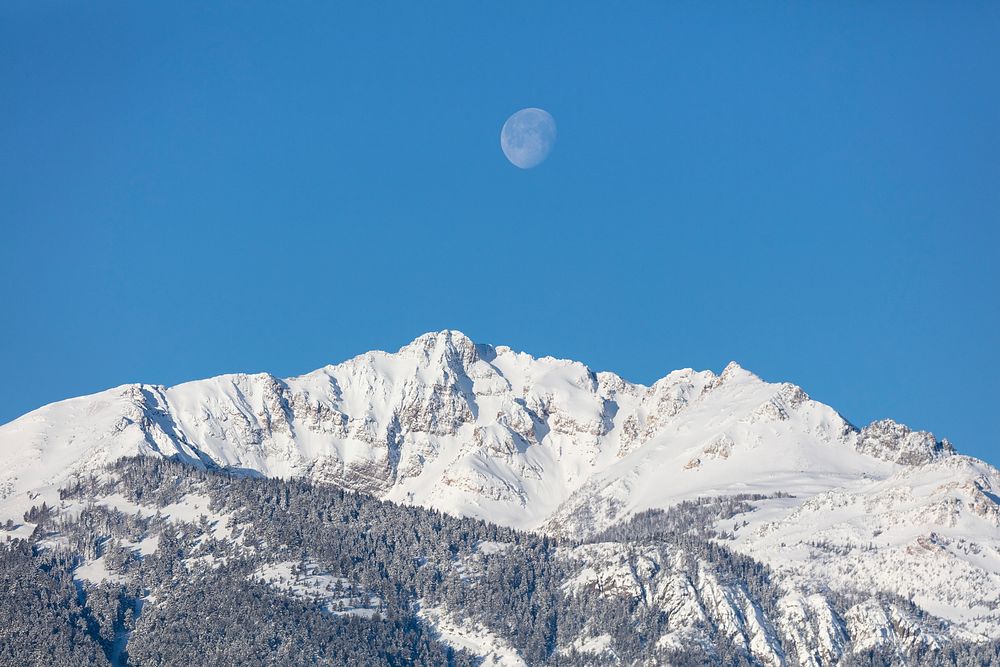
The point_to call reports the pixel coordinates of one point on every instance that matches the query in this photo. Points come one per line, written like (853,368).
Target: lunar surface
(527,137)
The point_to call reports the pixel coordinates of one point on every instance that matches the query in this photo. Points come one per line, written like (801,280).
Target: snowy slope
(542,443)
(930,534)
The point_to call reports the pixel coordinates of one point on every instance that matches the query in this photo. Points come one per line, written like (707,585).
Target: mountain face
(155,562)
(476,430)
(548,445)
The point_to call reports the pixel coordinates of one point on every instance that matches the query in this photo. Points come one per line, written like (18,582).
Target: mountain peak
(734,371)
(447,344)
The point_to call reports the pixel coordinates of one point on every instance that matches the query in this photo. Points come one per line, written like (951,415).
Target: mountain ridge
(550,445)
(437,395)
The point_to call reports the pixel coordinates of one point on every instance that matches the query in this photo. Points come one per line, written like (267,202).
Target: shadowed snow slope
(549,444)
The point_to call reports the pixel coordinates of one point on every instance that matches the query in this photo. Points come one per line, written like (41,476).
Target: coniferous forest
(209,588)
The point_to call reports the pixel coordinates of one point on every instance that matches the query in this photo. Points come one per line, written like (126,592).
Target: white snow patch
(308,581)
(470,636)
(96,571)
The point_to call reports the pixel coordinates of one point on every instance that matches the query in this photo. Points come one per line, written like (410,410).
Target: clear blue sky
(813,191)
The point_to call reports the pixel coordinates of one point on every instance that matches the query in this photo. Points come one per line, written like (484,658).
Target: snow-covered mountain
(550,445)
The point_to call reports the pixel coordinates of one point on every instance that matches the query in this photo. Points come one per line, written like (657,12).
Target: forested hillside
(153,562)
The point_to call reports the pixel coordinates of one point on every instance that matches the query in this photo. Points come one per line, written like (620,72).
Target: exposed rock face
(696,594)
(687,589)
(890,441)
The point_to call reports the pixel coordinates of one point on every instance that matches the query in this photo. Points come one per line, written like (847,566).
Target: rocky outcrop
(891,441)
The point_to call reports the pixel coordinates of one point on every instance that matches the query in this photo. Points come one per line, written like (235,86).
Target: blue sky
(813,191)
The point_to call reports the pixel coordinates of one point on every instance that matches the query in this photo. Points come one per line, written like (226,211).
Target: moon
(527,137)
